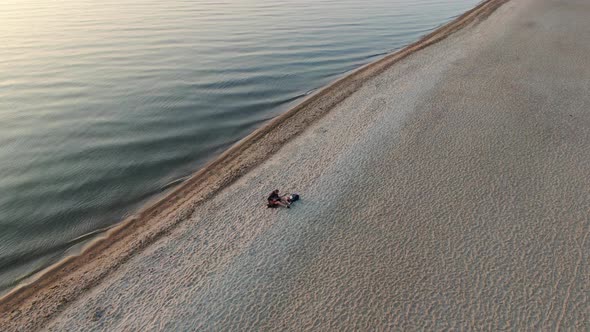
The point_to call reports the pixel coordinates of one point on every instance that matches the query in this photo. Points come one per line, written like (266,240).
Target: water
(103,103)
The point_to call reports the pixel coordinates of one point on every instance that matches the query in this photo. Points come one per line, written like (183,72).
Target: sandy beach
(443,187)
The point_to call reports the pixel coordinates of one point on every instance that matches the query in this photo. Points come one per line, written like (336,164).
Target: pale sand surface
(449,192)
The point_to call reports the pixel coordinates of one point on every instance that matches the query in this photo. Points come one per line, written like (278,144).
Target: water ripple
(105,103)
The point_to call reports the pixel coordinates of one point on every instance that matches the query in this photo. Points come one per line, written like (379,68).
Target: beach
(443,187)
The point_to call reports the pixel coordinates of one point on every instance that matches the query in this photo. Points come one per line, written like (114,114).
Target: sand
(445,188)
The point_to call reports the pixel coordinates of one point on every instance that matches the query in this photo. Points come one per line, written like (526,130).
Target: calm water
(103,103)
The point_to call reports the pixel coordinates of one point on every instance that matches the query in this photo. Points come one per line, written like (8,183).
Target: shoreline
(105,254)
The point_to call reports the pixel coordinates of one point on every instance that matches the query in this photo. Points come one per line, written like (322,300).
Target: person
(275,200)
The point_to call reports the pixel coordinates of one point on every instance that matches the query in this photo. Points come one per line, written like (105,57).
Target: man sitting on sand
(275,200)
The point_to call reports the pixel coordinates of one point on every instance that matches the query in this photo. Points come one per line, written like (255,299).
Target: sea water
(103,104)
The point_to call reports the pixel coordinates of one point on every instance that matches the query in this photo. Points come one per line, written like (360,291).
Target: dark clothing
(273,198)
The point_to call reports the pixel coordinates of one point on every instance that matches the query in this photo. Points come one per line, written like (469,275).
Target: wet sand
(447,191)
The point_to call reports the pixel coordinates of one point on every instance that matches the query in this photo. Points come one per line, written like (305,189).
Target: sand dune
(450,191)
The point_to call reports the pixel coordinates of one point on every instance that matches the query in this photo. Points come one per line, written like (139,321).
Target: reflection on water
(102,103)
